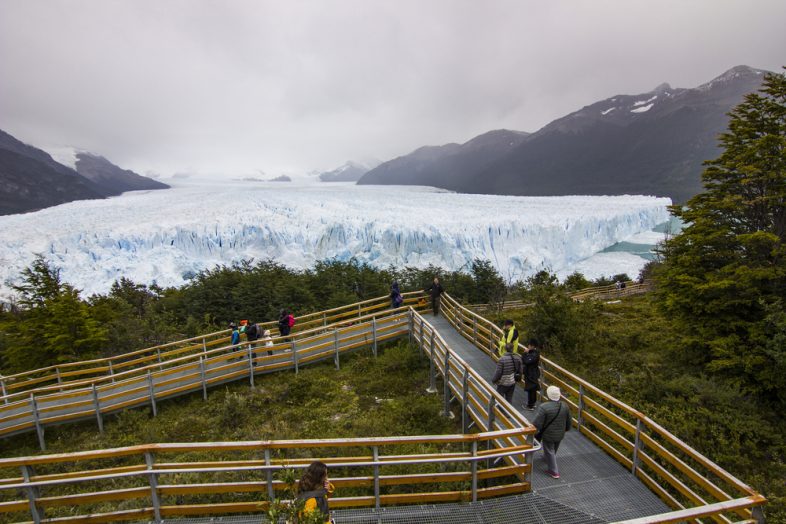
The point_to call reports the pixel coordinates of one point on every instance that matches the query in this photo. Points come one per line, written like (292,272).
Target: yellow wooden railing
(611,292)
(146,488)
(681,476)
(146,386)
(97,371)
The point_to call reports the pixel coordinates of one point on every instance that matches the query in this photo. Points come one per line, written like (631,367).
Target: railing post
(376,477)
(57,373)
(2,388)
(111,371)
(446,384)
(324,319)
(336,358)
(204,345)
(149,459)
(32,494)
(294,355)
(269,476)
(474,469)
(97,406)
(152,390)
(422,344)
(158,355)
(37,420)
(250,366)
(464,401)
(411,326)
(474,331)
(432,378)
(580,413)
(636,447)
(374,335)
(492,405)
(203,376)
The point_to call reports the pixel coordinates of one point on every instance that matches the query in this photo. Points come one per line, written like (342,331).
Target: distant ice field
(167,236)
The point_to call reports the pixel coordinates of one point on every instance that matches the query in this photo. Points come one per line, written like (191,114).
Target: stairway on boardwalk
(591,481)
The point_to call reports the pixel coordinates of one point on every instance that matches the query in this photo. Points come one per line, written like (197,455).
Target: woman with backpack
(285,323)
(314,488)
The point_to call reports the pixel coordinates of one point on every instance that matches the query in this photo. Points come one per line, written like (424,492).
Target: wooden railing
(197,372)
(146,488)
(610,292)
(97,371)
(681,476)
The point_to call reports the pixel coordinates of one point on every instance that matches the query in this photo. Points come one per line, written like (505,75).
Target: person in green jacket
(552,420)
(510,335)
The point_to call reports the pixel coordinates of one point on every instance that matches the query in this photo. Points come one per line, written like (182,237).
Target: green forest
(704,353)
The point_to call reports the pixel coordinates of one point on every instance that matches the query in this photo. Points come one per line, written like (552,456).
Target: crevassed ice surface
(166,236)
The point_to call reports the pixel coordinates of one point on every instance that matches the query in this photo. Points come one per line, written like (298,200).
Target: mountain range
(30,179)
(348,172)
(653,143)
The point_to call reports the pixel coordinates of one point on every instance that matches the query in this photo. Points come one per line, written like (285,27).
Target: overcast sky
(231,87)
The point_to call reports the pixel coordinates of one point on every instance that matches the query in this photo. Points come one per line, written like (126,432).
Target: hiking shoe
(529,408)
(552,474)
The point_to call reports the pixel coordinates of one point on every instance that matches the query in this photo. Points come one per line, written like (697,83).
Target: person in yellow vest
(510,335)
(314,488)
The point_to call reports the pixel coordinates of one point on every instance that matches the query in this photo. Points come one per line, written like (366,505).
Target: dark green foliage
(133,316)
(576,281)
(553,319)
(52,326)
(723,278)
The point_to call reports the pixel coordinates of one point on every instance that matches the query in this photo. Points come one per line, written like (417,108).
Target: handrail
(198,371)
(507,433)
(108,368)
(651,452)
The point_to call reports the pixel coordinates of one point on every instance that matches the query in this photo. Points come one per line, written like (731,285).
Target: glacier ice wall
(165,236)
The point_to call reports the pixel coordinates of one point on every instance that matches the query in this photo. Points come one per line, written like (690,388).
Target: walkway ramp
(592,483)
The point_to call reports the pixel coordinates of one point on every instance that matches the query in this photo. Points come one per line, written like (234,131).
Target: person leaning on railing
(314,488)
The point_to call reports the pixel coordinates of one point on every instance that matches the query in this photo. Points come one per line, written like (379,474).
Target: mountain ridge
(650,143)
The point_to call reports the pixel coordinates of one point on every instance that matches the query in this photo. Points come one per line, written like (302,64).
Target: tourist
(314,488)
(510,335)
(395,296)
(268,340)
(552,420)
(509,369)
(235,340)
(285,323)
(436,290)
(531,360)
(252,333)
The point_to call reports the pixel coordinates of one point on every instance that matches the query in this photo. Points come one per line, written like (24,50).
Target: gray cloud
(235,86)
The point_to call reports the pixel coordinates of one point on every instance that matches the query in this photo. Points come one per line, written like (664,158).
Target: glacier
(165,237)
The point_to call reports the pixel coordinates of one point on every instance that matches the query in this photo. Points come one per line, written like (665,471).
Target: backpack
(251,331)
(290,320)
(398,299)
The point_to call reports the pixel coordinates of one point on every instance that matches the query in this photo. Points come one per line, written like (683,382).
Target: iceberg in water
(167,236)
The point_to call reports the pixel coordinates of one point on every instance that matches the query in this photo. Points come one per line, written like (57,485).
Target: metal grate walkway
(529,508)
(592,483)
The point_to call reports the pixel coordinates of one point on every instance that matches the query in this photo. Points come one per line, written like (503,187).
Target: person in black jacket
(435,289)
(531,360)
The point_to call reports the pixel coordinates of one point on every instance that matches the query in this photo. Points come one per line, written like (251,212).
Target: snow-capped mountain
(652,143)
(349,172)
(31,178)
(167,236)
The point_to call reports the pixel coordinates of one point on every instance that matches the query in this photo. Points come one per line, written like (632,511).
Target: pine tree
(723,277)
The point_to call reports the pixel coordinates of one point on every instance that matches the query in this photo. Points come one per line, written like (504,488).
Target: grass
(368,396)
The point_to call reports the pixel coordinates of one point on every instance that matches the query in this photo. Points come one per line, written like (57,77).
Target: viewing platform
(617,465)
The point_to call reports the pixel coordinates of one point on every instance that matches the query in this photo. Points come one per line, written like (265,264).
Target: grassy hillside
(368,397)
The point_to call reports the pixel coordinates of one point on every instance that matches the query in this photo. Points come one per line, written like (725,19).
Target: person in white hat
(552,420)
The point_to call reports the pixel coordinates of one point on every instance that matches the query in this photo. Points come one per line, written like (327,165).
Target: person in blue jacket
(235,336)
